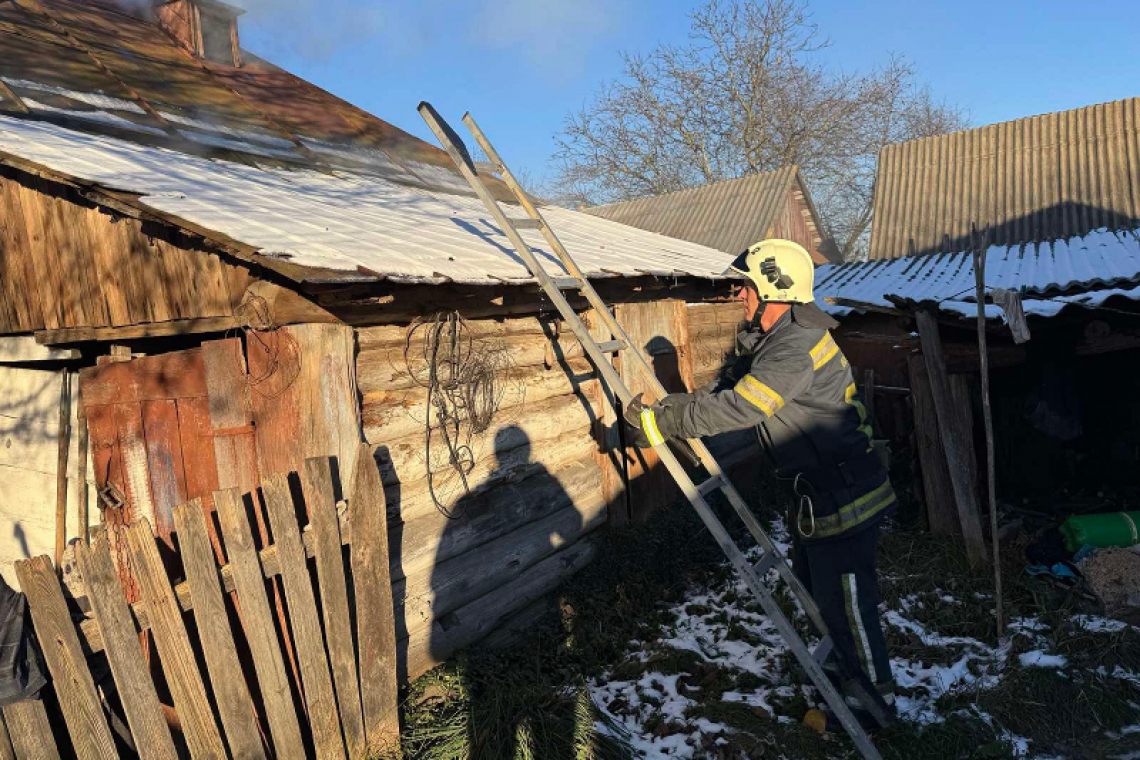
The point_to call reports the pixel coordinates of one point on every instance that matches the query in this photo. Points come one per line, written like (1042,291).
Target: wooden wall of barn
(65,263)
(536,484)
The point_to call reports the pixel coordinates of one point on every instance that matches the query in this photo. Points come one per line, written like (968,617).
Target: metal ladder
(753,573)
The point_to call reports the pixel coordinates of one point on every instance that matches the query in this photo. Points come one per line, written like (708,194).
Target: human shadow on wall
(490,564)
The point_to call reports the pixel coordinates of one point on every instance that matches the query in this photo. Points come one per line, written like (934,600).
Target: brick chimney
(207,28)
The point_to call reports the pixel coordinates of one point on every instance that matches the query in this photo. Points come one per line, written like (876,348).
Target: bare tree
(747,94)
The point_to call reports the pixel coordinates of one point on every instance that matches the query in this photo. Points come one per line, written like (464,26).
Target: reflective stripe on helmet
(759,395)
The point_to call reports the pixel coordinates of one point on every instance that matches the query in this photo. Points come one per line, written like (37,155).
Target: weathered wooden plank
(40,280)
(120,641)
(72,681)
(180,374)
(395,336)
(132,450)
(18,284)
(959,466)
(164,463)
(424,536)
(375,625)
(386,369)
(317,484)
(306,626)
(235,706)
(182,676)
(6,750)
(426,596)
(260,632)
(470,623)
(404,412)
(941,513)
(30,731)
(533,425)
(196,437)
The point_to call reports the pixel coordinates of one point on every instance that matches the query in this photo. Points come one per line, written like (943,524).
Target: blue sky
(521,65)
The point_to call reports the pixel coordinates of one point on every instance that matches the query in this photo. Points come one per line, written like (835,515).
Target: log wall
(536,484)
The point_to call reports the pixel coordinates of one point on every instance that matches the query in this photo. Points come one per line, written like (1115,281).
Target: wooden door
(661,330)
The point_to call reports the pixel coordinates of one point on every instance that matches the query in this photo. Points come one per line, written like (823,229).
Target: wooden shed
(237,271)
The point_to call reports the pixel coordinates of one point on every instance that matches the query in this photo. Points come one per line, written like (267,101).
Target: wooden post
(956,461)
(61,466)
(979,281)
(941,513)
(81,480)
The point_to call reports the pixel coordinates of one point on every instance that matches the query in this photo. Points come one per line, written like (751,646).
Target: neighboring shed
(733,214)
(1038,178)
(241,262)
(1064,403)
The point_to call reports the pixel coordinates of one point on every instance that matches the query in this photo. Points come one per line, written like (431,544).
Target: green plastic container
(1114,529)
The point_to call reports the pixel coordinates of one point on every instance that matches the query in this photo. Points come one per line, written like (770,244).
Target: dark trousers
(840,575)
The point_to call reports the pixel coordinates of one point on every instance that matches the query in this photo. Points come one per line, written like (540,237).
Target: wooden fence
(220,685)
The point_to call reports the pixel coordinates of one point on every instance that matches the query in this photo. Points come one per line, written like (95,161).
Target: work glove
(654,424)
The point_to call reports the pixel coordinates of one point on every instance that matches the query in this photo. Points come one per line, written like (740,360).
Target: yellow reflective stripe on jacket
(759,395)
(858,511)
(849,396)
(649,425)
(824,351)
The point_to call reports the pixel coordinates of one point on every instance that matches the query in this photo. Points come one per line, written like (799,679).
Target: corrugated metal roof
(346,221)
(728,216)
(1038,178)
(1071,270)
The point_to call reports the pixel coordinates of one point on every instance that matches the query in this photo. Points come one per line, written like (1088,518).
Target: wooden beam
(18,349)
(952,444)
(134,332)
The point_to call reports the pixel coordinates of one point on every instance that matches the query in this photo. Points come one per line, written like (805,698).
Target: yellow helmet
(782,270)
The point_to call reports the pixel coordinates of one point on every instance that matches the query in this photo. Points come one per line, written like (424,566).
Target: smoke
(315,30)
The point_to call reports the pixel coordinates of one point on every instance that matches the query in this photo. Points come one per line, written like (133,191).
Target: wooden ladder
(753,573)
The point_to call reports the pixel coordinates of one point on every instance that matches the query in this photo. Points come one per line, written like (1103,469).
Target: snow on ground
(721,626)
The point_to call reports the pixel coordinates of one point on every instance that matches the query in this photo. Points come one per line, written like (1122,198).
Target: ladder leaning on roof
(772,557)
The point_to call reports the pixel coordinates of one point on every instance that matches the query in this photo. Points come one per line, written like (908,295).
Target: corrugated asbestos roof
(1038,178)
(1080,270)
(728,216)
(346,222)
(93,66)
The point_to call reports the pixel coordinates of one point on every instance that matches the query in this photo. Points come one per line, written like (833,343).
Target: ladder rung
(822,650)
(766,562)
(611,345)
(710,485)
(486,167)
(566,283)
(525,224)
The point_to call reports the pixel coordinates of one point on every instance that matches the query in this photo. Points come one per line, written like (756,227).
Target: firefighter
(792,383)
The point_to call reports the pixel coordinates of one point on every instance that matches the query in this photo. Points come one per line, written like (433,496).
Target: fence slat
(73,685)
(320,499)
(303,617)
(6,750)
(257,622)
(372,587)
(230,690)
(30,731)
(182,676)
(121,644)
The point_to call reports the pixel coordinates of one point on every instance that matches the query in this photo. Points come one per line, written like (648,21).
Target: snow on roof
(346,221)
(1080,271)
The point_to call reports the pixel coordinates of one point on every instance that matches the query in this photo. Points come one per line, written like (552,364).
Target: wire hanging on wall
(461,374)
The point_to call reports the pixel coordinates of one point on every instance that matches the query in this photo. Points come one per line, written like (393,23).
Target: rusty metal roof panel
(728,216)
(1038,178)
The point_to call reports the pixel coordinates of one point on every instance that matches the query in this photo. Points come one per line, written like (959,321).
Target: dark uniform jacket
(794,383)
